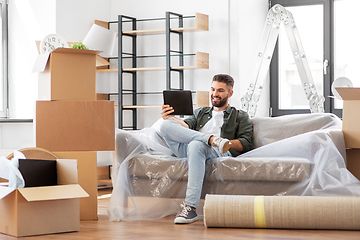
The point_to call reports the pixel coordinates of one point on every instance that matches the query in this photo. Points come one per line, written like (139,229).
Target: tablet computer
(180,100)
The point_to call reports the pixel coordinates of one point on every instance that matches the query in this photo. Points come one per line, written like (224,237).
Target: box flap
(42,59)
(349,93)
(40,62)
(53,192)
(4,191)
(77,51)
(101,61)
(67,171)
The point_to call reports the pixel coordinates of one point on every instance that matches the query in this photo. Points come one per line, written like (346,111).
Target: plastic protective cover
(9,169)
(301,154)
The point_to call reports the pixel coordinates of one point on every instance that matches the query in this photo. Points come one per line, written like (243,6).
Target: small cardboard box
(43,210)
(87,171)
(353,161)
(351,116)
(67,74)
(75,125)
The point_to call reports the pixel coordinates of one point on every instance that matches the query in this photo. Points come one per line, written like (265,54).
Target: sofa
(300,154)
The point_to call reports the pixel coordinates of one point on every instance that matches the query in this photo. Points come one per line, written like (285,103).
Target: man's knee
(164,127)
(197,146)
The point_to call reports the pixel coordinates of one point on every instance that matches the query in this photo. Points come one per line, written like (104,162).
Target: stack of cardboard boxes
(70,121)
(351,127)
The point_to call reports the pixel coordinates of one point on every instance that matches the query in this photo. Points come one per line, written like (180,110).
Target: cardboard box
(87,172)
(67,74)
(43,210)
(102,96)
(353,161)
(351,116)
(75,125)
(104,173)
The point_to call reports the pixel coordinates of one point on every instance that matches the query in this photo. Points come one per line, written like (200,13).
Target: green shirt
(237,125)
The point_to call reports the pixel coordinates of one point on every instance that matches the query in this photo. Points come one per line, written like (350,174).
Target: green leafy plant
(79,45)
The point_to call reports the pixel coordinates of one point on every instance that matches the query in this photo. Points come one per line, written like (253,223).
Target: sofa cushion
(157,166)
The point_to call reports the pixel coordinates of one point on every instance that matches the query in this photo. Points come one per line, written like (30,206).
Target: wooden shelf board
(145,32)
(202,62)
(161,31)
(138,106)
(149,69)
(105,180)
(107,70)
(144,69)
(184,67)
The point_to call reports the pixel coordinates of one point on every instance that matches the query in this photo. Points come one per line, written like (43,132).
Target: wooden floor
(166,229)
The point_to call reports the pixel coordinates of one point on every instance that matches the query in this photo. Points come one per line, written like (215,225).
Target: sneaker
(187,215)
(222,143)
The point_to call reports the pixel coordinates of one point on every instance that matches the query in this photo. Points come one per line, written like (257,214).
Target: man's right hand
(165,114)
(166,110)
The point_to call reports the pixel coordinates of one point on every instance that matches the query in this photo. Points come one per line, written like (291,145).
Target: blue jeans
(193,145)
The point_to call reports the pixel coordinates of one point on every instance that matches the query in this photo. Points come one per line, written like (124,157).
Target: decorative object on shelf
(79,45)
(101,39)
(51,42)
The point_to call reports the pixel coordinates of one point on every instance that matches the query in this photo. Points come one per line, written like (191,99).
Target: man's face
(220,94)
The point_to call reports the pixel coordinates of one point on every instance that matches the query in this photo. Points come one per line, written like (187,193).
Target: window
(3,60)
(313,19)
(346,41)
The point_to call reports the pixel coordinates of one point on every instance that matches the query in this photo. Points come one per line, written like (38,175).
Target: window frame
(4,45)
(328,6)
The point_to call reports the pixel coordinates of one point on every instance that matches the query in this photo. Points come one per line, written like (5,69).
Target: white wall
(235,28)
(75,18)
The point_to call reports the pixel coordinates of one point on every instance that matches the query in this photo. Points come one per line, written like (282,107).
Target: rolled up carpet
(294,212)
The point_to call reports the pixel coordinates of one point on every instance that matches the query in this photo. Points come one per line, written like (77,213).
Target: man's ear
(231,93)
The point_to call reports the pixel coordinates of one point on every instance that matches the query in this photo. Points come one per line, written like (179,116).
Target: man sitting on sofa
(212,132)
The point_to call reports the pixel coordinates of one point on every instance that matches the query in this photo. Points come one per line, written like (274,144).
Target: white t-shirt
(213,126)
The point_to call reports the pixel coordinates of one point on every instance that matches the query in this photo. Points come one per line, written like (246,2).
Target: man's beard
(221,103)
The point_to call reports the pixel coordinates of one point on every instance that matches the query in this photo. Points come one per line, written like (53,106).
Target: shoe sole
(181,220)
(224,147)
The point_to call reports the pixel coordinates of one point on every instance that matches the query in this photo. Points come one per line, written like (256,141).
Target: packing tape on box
(291,212)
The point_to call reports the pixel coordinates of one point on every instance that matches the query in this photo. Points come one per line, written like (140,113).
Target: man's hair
(225,79)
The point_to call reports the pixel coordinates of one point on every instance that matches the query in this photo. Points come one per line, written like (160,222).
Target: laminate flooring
(165,229)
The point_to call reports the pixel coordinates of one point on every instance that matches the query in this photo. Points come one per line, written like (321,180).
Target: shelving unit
(201,59)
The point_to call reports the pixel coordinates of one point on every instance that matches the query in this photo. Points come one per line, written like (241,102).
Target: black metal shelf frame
(133,55)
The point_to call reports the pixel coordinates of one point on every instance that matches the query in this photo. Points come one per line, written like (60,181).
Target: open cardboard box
(68,74)
(351,115)
(43,210)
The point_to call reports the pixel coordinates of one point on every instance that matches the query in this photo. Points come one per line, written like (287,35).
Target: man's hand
(165,114)
(166,110)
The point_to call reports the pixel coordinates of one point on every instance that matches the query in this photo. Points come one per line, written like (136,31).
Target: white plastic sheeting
(294,155)
(10,170)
